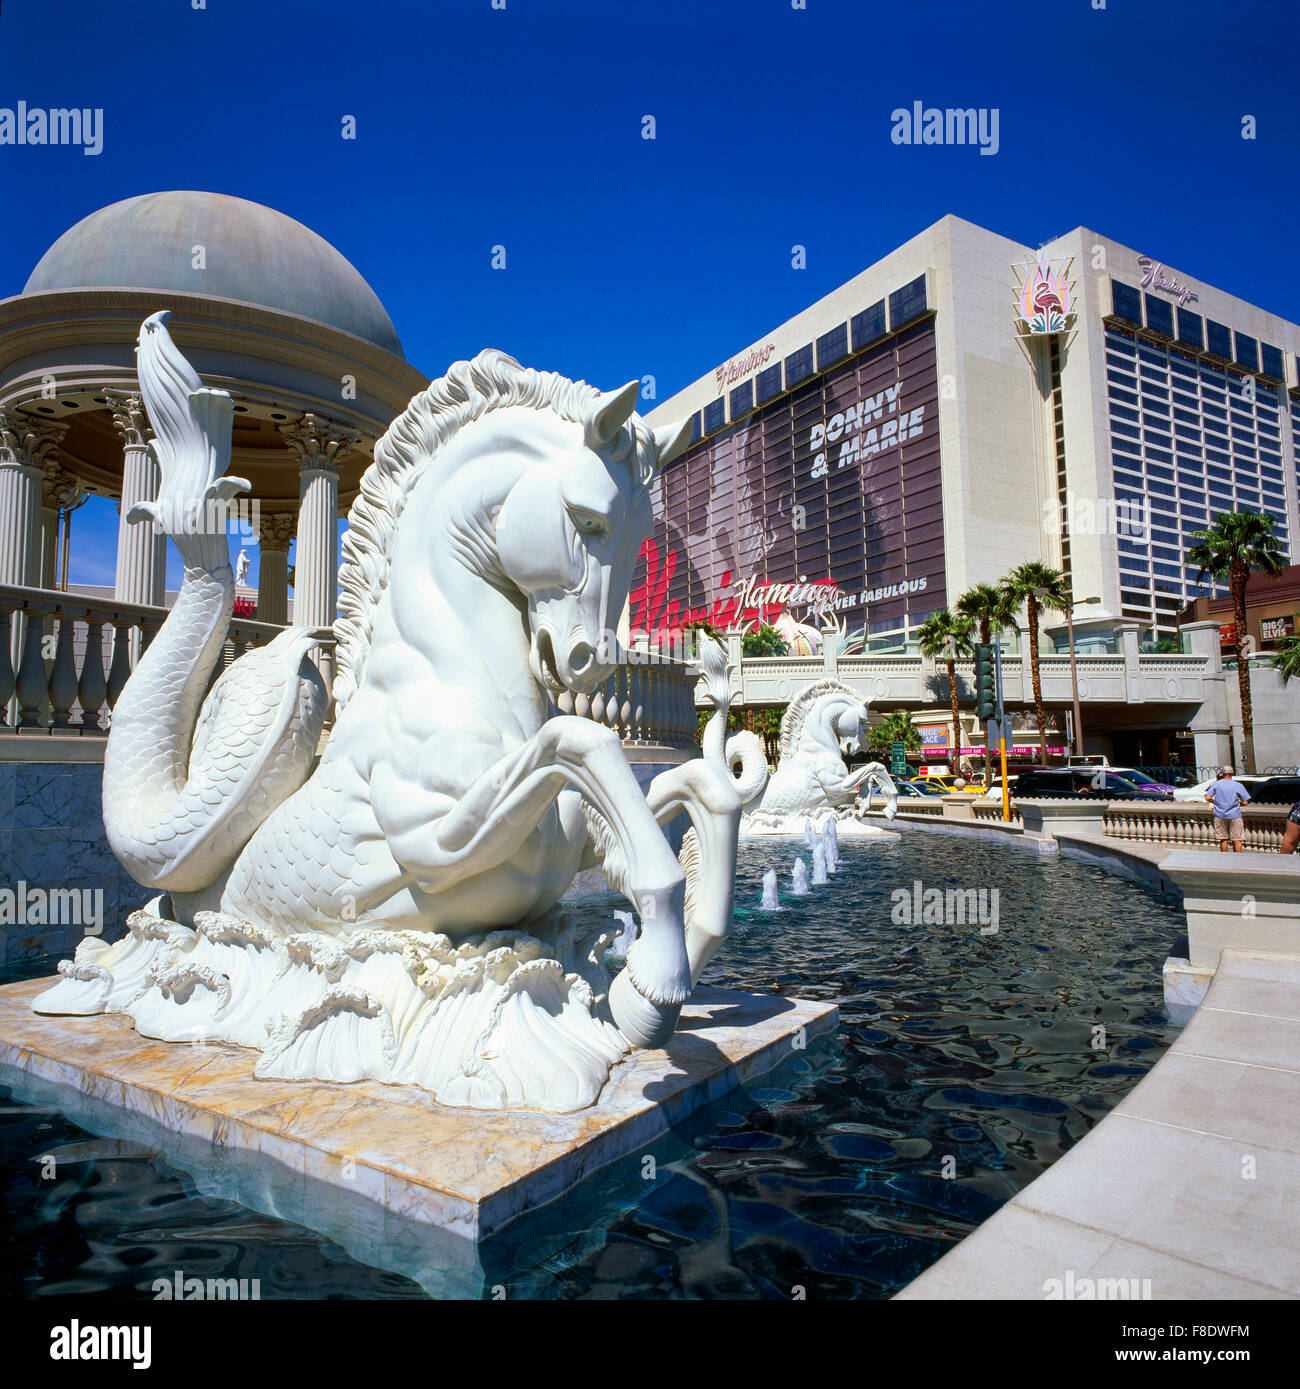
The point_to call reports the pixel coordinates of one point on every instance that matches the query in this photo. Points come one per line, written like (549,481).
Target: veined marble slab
(413,1162)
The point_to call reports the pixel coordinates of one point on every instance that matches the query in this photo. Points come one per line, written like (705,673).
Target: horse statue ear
(670,440)
(608,413)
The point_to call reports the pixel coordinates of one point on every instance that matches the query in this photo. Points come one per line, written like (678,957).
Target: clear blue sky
(523,127)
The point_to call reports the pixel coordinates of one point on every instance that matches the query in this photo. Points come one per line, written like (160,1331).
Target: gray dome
(253,253)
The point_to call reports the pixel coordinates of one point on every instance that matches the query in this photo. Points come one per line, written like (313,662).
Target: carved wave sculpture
(498,1021)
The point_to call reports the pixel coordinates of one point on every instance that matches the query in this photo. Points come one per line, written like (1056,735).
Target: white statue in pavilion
(393,913)
(812,779)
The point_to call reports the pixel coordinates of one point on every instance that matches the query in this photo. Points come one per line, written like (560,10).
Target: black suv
(1277,790)
(1084,783)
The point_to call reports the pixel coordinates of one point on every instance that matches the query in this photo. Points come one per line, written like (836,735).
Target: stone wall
(51,838)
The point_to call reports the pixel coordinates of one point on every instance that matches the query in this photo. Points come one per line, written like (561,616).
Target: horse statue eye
(589,524)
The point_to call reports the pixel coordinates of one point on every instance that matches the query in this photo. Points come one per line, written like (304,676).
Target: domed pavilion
(263,308)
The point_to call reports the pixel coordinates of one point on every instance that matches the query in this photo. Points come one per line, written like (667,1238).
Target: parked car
(1276,790)
(916,788)
(994,793)
(1099,783)
(1141,777)
(1198,792)
(948,782)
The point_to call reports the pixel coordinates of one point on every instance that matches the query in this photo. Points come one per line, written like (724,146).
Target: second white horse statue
(811,776)
(393,913)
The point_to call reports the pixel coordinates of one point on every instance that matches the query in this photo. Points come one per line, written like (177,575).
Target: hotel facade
(966,404)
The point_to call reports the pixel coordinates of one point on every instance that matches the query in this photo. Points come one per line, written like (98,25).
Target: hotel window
(768,383)
(1160,316)
(1126,302)
(907,303)
(1273,364)
(799,366)
(742,400)
(1247,352)
(1190,328)
(868,326)
(715,415)
(1218,340)
(832,346)
(695,426)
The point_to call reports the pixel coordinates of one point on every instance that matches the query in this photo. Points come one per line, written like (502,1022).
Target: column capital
(60,487)
(26,442)
(318,442)
(275,529)
(129,418)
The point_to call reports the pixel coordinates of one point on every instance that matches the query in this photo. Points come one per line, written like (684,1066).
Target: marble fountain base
(401,1182)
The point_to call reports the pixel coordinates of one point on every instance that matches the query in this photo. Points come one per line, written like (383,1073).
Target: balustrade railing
(644,702)
(992,810)
(1190,825)
(64,659)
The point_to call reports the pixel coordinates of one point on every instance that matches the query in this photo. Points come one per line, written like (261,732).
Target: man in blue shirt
(1228,795)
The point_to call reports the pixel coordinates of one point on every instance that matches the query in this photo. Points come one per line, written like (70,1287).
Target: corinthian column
(141,548)
(59,489)
(25,446)
(318,445)
(275,530)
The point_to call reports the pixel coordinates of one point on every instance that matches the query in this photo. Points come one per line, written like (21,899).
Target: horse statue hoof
(643,1023)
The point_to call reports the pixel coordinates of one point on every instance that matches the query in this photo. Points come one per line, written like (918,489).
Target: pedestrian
(1291,839)
(1228,795)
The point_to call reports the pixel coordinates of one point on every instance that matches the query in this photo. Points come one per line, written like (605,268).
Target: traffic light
(986,697)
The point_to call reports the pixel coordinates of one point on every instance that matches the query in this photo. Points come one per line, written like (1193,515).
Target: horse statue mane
(493,380)
(798,710)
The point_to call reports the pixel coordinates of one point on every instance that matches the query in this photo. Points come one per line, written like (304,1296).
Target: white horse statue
(812,777)
(393,913)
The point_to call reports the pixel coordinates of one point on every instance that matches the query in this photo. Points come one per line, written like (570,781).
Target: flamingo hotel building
(966,404)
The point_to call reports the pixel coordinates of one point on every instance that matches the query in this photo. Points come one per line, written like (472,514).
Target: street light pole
(1074,675)
(1074,683)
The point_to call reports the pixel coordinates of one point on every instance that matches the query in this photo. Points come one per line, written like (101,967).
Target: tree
(944,634)
(1037,586)
(764,641)
(990,606)
(894,728)
(1232,547)
(700,625)
(1286,659)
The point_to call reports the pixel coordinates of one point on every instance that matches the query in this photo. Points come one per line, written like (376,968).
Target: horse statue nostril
(581,656)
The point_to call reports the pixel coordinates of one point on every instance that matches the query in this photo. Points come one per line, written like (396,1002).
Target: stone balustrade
(1191,825)
(64,658)
(992,810)
(645,702)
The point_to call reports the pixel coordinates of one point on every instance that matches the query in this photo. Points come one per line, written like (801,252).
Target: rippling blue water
(967,1062)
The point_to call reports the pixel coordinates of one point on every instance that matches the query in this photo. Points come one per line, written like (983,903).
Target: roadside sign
(898,759)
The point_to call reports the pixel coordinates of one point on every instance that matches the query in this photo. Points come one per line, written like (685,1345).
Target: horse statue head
(499,480)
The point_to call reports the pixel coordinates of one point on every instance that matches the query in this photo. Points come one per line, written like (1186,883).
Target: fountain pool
(954,1042)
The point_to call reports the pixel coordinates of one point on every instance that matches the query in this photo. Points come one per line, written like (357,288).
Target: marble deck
(401,1181)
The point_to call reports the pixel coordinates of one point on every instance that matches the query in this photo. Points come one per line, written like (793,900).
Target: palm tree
(1232,546)
(1286,659)
(896,727)
(944,634)
(1037,586)
(989,606)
